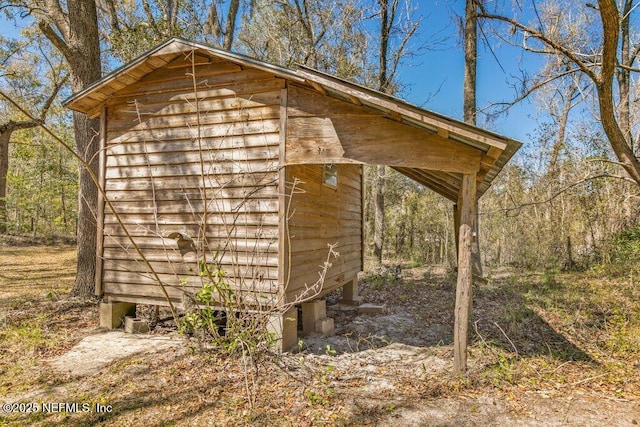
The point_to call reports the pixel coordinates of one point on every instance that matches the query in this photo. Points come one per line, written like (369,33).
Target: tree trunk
(563,119)
(77,39)
(470,62)
(86,231)
(456,231)
(85,68)
(231,24)
(570,263)
(604,85)
(6,131)
(4,170)
(378,230)
(476,259)
(623,75)
(470,105)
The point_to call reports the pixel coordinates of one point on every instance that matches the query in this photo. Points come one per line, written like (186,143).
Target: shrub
(624,251)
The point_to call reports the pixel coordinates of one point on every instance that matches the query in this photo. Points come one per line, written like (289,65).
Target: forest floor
(546,348)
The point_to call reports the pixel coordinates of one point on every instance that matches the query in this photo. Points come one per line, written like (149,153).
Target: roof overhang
(495,150)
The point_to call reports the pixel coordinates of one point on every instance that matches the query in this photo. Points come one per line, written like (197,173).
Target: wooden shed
(259,165)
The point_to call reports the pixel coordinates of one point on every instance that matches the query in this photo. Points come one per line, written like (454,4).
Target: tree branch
(544,39)
(49,101)
(55,39)
(628,68)
(527,91)
(113,15)
(400,50)
(633,56)
(58,17)
(559,192)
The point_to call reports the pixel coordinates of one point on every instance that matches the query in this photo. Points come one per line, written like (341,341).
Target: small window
(330,175)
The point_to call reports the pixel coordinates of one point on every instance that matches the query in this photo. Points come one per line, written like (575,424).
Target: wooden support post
(475,246)
(284,269)
(456,230)
(102,155)
(467,204)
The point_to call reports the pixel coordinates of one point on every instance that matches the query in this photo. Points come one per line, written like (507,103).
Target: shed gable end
(192,155)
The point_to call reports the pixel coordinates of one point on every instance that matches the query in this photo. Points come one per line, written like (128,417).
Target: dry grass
(559,333)
(35,272)
(551,332)
(567,336)
(37,321)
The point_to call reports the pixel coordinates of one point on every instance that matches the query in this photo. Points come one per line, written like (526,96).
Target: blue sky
(433,79)
(443,68)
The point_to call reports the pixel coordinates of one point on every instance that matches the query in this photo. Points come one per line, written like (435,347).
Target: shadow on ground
(420,312)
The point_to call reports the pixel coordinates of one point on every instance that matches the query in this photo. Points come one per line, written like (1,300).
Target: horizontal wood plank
(177,170)
(218,74)
(159,193)
(184,88)
(225,142)
(258,301)
(178,220)
(190,106)
(149,243)
(143,293)
(190,133)
(259,267)
(131,120)
(213,206)
(177,157)
(215,181)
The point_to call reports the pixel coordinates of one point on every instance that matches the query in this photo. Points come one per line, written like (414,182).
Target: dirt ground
(545,351)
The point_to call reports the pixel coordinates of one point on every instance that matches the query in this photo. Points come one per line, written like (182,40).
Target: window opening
(330,175)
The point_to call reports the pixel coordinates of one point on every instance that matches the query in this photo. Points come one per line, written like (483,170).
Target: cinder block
(325,326)
(369,308)
(311,313)
(353,301)
(285,330)
(112,314)
(133,325)
(350,291)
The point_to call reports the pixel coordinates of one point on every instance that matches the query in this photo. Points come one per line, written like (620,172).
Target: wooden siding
(321,129)
(320,216)
(200,162)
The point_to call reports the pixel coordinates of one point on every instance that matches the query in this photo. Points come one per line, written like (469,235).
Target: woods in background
(570,199)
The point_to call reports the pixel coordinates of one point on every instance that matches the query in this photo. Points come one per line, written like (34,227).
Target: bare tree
(22,74)
(132,28)
(7,129)
(469,101)
(600,49)
(470,61)
(228,35)
(309,32)
(389,57)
